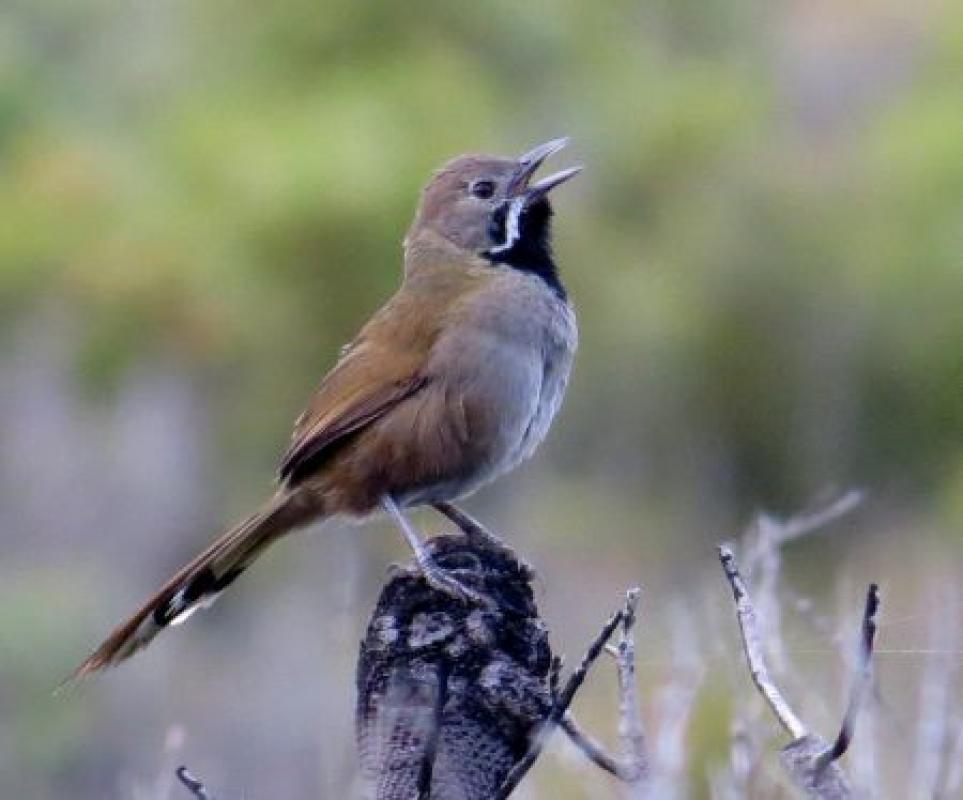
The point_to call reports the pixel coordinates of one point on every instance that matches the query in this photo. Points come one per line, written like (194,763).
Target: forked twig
(631,765)
(762,545)
(559,707)
(808,760)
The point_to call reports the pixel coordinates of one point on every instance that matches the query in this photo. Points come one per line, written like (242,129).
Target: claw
(440,580)
(434,575)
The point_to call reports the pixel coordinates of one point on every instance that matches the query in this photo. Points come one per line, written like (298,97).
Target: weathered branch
(631,733)
(631,766)
(801,525)
(762,545)
(864,677)
(559,707)
(752,644)
(450,695)
(592,749)
(809,761)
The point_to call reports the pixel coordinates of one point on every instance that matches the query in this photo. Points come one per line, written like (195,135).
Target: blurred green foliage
(764,248)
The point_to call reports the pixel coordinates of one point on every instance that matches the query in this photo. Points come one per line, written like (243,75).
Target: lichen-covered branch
(450,695)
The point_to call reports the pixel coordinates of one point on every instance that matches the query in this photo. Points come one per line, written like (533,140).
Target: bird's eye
(482,189)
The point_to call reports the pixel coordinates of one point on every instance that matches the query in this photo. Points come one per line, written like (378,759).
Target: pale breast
(509,358)
(558,349)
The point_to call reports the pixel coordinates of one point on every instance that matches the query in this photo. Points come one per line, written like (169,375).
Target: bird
(452,383)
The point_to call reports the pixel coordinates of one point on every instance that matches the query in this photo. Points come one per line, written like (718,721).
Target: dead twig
(194,785)
(631,733)
(804,524)
(762,545)
(752,644)
(808,760)
(864,678)
(559,707)
(631,765)
(591,748)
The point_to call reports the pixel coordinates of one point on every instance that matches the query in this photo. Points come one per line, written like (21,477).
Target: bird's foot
(470,526)
(436,576)
(478,533)
(442,580)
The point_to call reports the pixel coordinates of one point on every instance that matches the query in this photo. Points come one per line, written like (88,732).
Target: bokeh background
(201,202)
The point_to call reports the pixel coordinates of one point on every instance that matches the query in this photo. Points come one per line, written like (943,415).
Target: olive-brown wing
(383,367)
(367,383)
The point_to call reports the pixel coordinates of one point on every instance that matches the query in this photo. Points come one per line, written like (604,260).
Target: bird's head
(490,207)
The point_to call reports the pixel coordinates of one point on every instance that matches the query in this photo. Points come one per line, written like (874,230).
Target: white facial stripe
(512,230)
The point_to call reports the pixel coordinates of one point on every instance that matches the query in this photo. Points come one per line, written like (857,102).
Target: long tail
(200,582)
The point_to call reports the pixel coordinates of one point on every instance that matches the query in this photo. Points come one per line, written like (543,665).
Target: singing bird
(453,382)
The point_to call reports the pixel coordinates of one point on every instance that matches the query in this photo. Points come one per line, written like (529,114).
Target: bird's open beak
(527,166)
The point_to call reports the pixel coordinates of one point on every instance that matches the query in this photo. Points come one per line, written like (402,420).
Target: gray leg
(437,578)
(470,526)
(479,535)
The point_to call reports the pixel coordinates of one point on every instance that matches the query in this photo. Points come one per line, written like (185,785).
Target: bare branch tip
(193,785)
(872,601)
(731,568)
(632,597)
(862,682)
(561,701)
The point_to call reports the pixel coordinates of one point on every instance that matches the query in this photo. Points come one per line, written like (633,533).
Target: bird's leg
(479,534)
(470,526)
(436,576)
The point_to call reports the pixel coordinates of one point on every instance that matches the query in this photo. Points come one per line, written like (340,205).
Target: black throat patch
(531,250)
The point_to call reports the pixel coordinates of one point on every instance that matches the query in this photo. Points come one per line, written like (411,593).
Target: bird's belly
(490,410)
(509,390)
